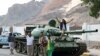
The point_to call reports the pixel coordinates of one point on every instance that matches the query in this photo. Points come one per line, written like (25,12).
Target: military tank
(64,45)
(20,41)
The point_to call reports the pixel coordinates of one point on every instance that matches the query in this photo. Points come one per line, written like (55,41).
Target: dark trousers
(62,25)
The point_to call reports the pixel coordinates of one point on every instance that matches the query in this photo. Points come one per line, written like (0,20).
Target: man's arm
(57,19)
(69,20)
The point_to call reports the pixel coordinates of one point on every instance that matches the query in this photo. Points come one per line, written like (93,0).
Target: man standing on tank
(30,40)
(11,40)
(63,23)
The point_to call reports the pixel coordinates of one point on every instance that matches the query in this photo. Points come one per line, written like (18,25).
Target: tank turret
(57,32)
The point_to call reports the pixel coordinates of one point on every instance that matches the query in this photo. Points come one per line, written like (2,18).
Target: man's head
(63,20)
(29,34)
(42,34)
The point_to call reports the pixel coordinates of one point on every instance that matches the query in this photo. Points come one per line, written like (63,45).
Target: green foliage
(85,1)
(94,7)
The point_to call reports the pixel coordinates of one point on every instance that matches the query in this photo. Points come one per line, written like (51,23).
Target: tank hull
(58,51)
(70,51)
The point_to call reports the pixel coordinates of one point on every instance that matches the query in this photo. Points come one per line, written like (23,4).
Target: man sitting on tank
(43,43)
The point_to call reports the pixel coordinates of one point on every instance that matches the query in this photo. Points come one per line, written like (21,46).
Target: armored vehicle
(20,41)
(63,43)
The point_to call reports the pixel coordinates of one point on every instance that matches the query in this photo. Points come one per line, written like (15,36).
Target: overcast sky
(5,4)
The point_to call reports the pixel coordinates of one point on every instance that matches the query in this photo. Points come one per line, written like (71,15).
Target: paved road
(95,52)
(5,52)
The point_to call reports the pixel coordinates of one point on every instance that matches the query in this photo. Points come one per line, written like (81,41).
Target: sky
(5,4)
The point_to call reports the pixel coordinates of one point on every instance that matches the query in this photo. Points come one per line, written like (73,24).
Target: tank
(63,44)
(20,41)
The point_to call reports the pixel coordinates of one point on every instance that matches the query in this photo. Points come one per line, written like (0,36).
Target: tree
(94,6)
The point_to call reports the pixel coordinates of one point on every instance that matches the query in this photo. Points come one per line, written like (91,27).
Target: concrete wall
(91,36)
(19,29)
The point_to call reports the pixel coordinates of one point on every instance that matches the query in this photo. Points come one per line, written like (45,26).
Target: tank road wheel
(24,48)
(82,48)
(18,47)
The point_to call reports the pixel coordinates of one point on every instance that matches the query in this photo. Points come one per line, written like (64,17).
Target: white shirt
(29,40)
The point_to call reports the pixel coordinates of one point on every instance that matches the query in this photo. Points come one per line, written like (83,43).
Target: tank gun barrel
(58,33)
(80,31)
